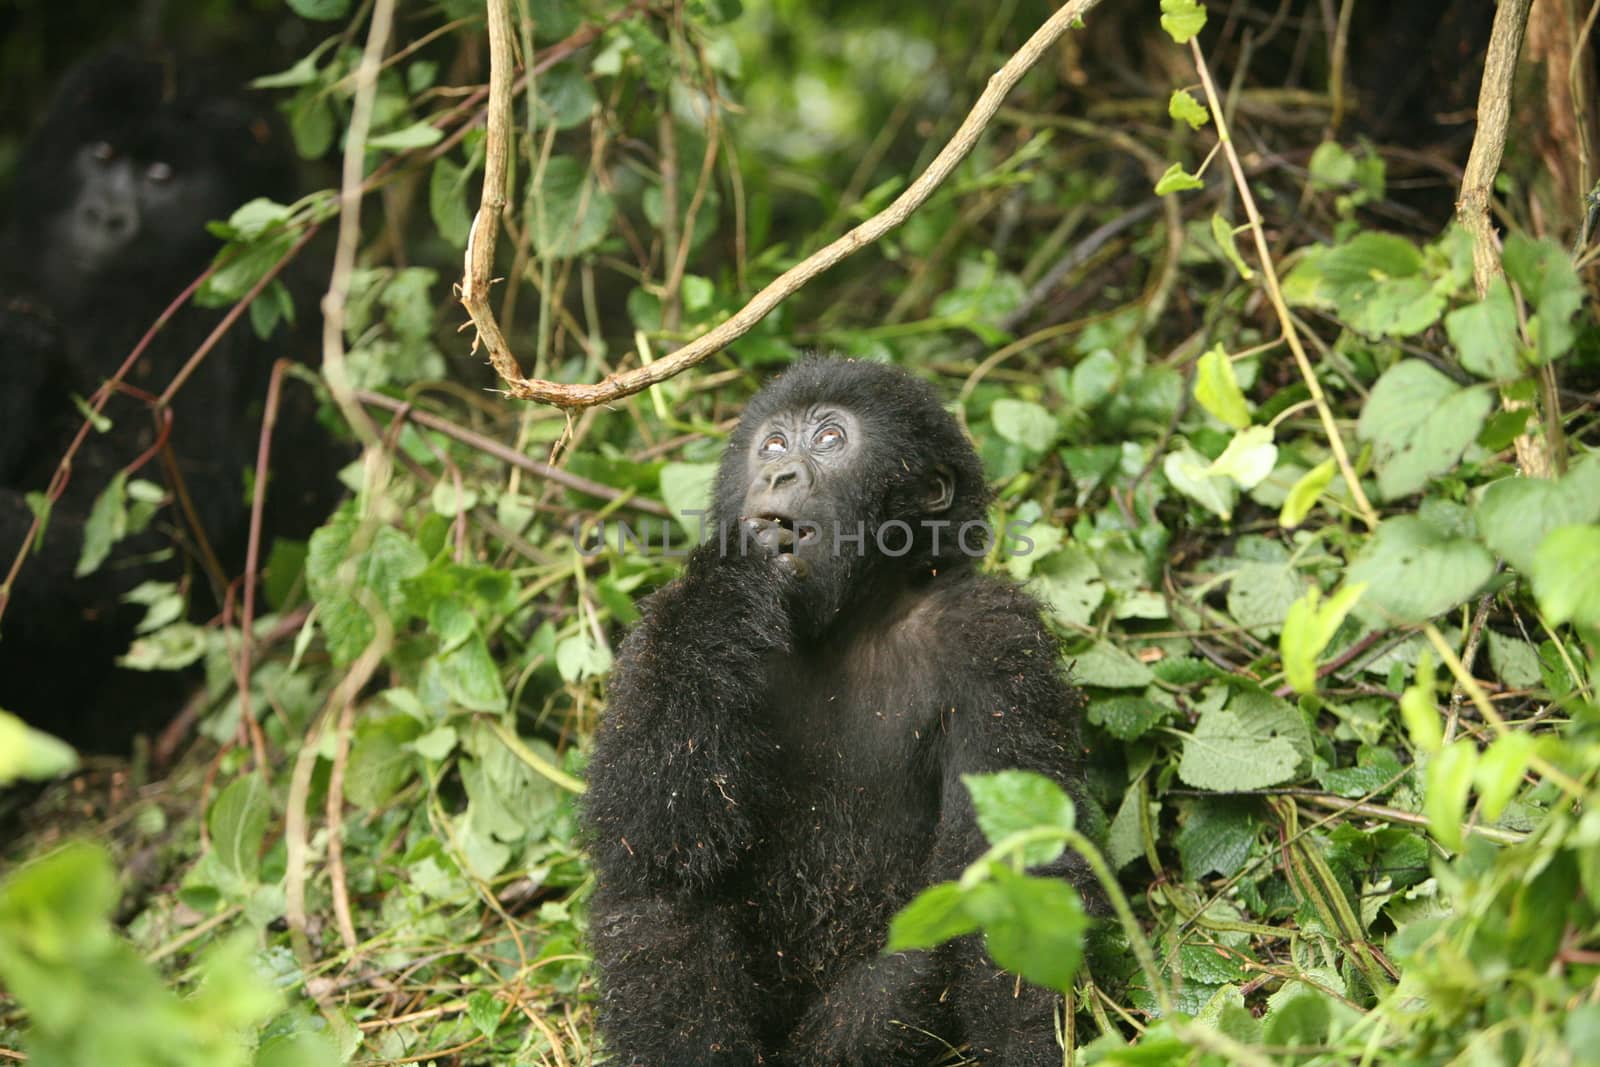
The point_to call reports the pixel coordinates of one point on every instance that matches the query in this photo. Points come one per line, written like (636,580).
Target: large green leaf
(1419,423)
(1414,570)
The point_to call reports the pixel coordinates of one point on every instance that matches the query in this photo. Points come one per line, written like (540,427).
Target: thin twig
(626,383)
(1269,275)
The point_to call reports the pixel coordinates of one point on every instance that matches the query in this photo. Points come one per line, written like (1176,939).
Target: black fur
(111,199)
(779,768)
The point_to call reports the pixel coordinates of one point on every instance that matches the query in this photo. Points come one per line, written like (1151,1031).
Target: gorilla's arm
(679,760)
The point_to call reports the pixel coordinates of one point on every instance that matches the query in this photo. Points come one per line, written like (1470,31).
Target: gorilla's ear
(941,491)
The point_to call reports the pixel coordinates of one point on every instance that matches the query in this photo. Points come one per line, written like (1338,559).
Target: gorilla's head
(854,476)
(127,167)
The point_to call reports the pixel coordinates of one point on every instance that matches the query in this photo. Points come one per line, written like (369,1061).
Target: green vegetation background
(1342,721)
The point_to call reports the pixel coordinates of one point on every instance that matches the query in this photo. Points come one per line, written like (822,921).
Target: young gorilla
(780,767)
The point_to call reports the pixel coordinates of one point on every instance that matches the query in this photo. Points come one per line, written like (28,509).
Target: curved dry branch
(480,248)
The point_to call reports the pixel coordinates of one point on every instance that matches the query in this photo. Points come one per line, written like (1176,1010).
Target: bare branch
(626,383)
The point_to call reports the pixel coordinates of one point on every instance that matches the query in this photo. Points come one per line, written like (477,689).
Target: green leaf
(1185,108)
(686,487)
(416,135)
(1419,423)
(1305,492)
(578,657)
(107,524)
(1566,575)
(1515,515)
(933,917)
(32,754)
(1127,718)
(1175,179)
(565,97)
(655,58)
(238,825)
(1419,711)
(1217,389)
(1109,666)
(1375,283)
(470,676)
(1449,784)
(571,212)
(447,201)
(1499,772)
(1032,926)
(1248,459)
(1485,334)
(1009,802)
(1191,475)
(1222,232)
(1182,19)
(381,759)
(1025,423)
(1413,571)
(1544,273)
(320,10)
(1231,749)
(484,1010)
(1307,629)
(1217,836)
(1261,594)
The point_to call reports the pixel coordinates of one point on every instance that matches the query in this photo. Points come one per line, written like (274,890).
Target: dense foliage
(1317,520)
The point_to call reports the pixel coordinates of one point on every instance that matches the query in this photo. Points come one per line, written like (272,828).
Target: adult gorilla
(110,203)
(780,767)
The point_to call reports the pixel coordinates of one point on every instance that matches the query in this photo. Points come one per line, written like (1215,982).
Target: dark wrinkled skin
(779,769)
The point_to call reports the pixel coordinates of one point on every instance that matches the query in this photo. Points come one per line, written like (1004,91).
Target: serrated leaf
(1032,926)
(1414,572)
(1515,515)
(1025,423)
(1566,575)
(933,917)
(320,10)
(1449,781)
(1544,273)
(1261,594)
(1183,107)
(578,657)
(1485,335)
(1228,752)
(1191,475)
(1182,19)
(1107,665)
(1419,422)
(470,676)
(1127,718)
(1010,802)
(1217,389)
(1216,837)
(1308,627)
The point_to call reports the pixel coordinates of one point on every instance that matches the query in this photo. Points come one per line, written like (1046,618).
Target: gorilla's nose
(788,477)
(114,220)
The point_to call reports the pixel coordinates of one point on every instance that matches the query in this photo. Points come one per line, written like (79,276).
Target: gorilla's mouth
(786,533)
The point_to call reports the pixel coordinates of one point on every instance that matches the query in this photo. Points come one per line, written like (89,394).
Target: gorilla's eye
(159,173)
(828,436)
(103,151)
(774,444)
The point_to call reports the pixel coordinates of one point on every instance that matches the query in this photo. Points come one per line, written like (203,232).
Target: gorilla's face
(801,465)
(134,210)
